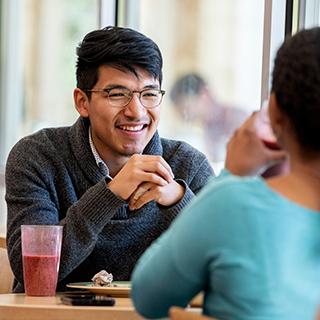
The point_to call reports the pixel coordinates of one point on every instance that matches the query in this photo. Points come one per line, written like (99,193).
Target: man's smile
(132,128)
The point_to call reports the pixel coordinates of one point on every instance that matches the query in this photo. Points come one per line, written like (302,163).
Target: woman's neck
(301,185)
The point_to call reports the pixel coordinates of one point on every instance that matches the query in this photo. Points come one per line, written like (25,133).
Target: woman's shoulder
(227,184)
(234,199)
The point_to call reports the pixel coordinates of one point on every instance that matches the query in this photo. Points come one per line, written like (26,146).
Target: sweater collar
(79,141)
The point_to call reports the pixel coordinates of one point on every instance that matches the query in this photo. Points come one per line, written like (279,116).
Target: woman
(252,245)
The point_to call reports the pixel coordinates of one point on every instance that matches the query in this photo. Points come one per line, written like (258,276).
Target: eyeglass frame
(107,90)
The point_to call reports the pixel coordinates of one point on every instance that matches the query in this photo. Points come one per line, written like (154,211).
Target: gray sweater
(52,178)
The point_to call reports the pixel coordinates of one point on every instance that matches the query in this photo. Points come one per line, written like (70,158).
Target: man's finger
(141,190)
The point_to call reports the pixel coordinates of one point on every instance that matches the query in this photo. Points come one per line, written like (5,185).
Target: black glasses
(121,97)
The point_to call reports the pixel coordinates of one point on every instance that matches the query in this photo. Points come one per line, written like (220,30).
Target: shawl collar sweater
(52,178)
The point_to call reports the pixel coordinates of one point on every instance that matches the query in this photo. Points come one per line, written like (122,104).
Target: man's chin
(128,152)
(133,147)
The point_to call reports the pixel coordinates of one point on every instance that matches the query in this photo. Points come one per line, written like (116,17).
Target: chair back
(177,313)
(6,275)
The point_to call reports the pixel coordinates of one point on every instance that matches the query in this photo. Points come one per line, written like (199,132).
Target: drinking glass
(41,248)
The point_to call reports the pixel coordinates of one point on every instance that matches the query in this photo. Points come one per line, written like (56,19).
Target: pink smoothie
(40,275)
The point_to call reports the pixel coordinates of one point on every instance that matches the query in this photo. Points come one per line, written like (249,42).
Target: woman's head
(296,85)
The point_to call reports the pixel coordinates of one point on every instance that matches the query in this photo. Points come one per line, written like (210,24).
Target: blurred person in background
(251,244)
(195,103)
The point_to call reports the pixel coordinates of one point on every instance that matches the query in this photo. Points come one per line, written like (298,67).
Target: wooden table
(21,307)
(3,240)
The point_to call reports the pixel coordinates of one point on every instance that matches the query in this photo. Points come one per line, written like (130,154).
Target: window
(212,54)
(38,41)
(215,48)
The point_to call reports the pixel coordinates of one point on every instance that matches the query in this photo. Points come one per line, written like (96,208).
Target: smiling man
(109,179)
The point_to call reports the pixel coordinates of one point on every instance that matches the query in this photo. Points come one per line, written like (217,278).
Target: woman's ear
(276,116)
(81,102)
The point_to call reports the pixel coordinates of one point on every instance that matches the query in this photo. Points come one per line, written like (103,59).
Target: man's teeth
(132,128)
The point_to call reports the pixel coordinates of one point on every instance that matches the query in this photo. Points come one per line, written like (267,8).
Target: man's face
(121,132)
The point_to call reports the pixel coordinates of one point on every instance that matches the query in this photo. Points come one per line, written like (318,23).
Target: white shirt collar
(100,163)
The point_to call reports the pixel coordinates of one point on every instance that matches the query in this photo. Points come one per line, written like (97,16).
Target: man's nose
(135,109)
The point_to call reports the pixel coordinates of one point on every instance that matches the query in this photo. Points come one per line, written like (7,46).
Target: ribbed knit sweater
(52,178)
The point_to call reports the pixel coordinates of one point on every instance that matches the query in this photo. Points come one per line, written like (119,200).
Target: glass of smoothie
(41,248)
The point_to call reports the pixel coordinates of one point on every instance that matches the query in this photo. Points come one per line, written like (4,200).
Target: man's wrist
(110,185)
(181,191)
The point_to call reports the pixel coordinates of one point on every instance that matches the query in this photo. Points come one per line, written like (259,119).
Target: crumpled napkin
(103,278)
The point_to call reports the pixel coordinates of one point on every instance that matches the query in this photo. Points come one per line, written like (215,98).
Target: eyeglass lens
(120,97)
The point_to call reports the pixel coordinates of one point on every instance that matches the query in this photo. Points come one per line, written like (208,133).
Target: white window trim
(273,36)
(107,13)
(312,14)
(11,76)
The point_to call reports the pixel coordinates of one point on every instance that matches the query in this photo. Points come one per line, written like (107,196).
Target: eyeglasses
(121,97)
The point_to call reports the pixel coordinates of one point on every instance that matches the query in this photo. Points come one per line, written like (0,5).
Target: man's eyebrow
(119,86)
(114,86)
(152,86)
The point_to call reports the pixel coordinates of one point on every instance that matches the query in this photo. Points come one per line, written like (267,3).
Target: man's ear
(81,102)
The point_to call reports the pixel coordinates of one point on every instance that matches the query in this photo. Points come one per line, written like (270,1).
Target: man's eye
(150,94)
(116,94)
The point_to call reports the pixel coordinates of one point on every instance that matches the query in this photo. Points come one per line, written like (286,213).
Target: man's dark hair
(121,48)
(296,84)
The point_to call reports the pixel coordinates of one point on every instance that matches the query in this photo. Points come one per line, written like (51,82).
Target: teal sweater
(254,253)
(52,178)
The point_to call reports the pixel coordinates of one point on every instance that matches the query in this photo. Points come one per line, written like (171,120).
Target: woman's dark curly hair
(296,84)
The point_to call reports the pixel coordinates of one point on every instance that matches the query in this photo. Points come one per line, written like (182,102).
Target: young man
(109,180)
